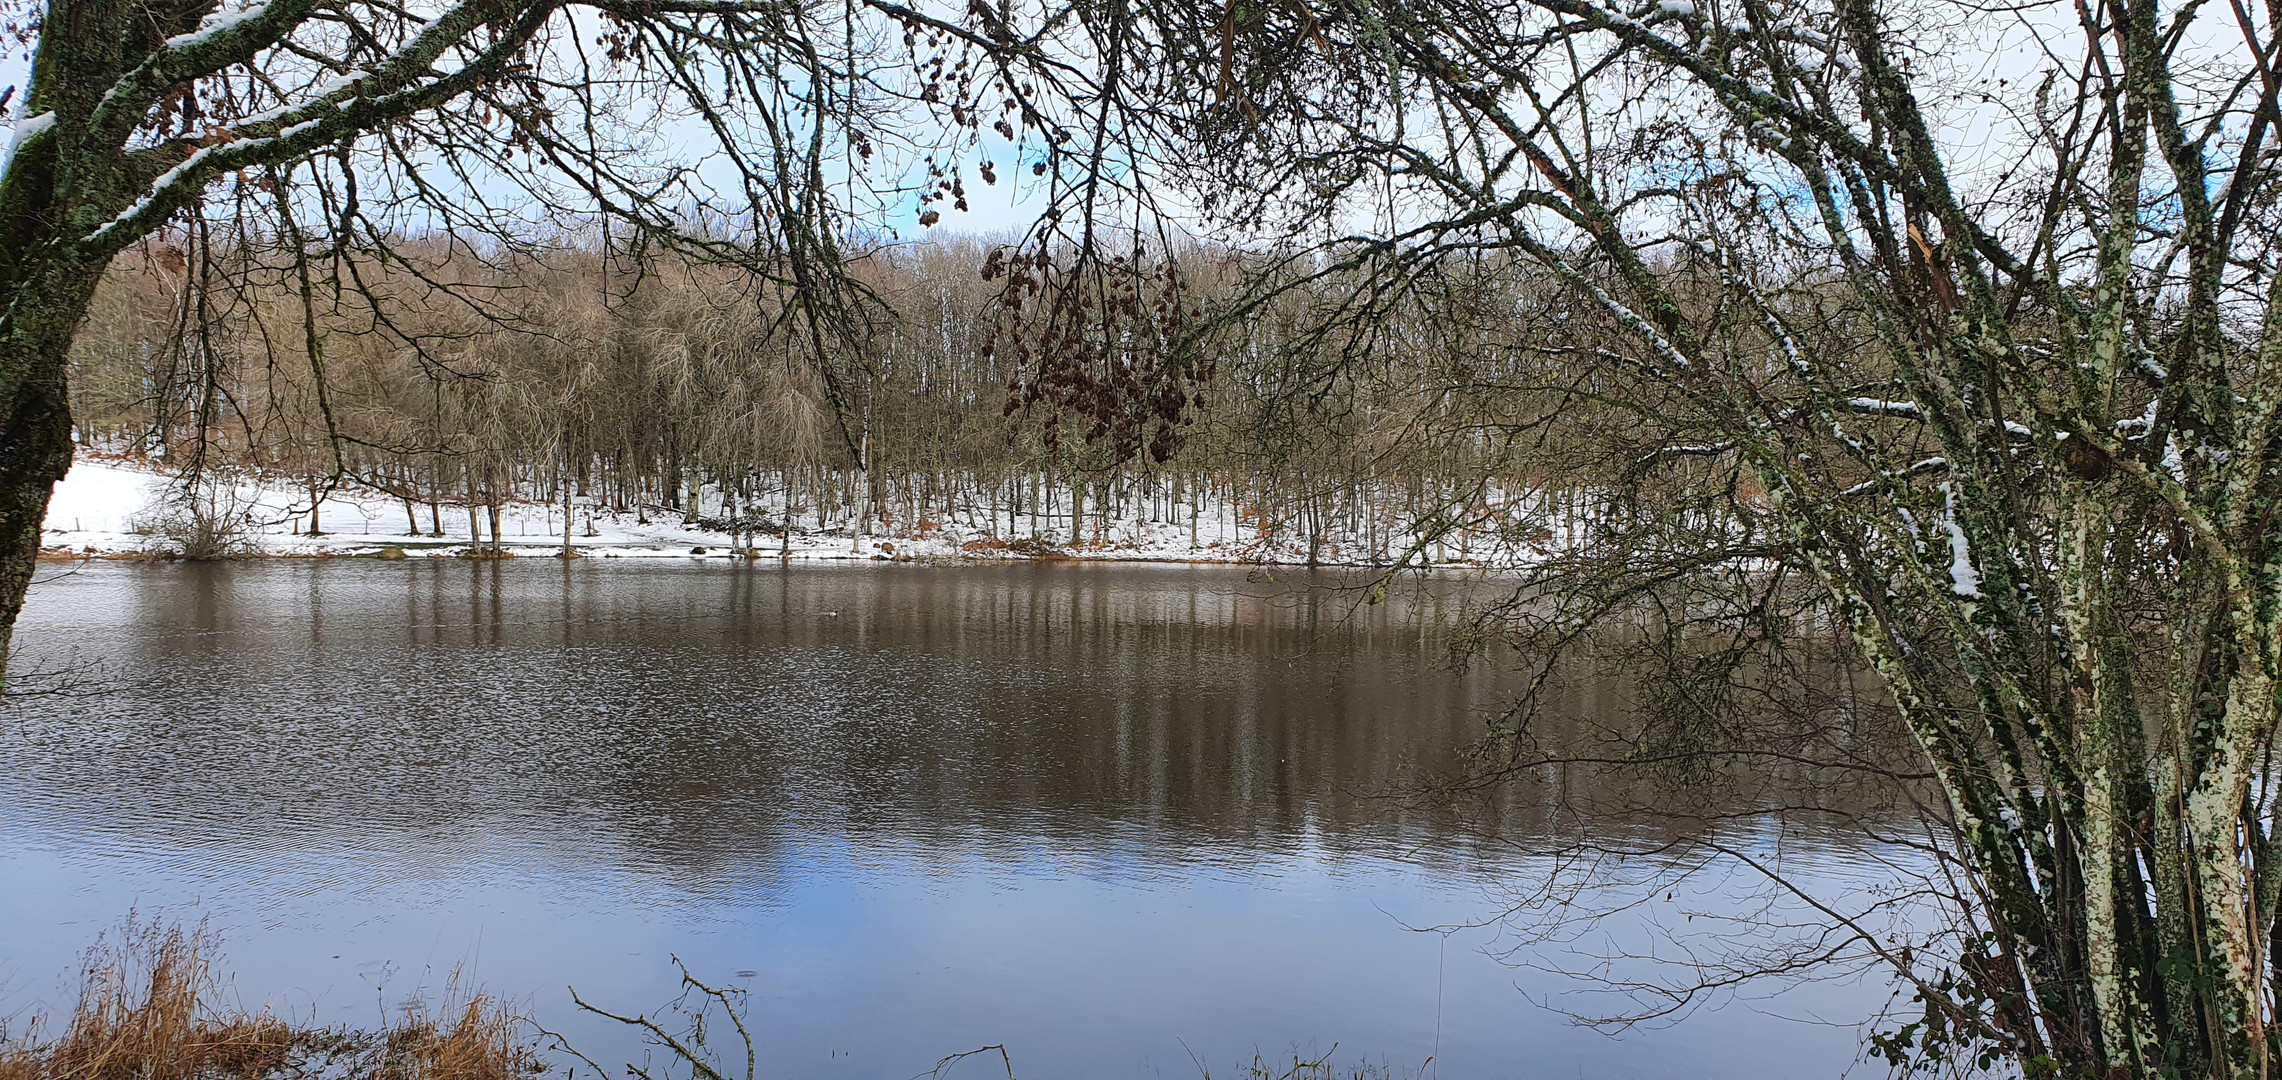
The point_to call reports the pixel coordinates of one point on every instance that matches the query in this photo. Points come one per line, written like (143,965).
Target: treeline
(456,383)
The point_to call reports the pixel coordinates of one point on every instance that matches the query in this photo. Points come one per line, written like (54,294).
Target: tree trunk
(46,277)
(1077,511)
(404,493)
(570,513)
(35,444)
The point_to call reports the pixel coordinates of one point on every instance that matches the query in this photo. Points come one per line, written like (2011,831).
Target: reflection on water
(1109,816)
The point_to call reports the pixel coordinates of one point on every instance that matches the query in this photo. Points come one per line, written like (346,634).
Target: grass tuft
(150,1008)
(483,1042)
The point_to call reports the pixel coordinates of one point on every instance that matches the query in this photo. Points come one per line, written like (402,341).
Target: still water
(1125,821)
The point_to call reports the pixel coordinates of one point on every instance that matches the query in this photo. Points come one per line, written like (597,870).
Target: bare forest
(664,387)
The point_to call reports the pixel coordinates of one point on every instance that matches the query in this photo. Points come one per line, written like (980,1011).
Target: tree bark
(35,444)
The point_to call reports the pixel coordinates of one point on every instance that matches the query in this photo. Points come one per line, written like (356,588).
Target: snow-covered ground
(110,505)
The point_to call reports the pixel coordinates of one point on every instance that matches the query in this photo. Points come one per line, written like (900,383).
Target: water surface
(1126,821)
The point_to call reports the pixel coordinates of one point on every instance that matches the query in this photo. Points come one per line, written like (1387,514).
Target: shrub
(202,517)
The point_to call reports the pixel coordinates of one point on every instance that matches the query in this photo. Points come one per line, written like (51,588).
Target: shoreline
(531,553)
(115,508)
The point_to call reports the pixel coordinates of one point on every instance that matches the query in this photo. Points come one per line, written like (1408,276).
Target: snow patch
(110,504)
(99,500)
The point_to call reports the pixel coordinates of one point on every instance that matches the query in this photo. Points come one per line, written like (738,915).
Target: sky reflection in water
(1111,817)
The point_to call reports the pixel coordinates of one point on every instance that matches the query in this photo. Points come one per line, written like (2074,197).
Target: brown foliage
(149,1009)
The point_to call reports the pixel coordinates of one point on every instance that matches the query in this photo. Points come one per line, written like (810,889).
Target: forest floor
(113,506)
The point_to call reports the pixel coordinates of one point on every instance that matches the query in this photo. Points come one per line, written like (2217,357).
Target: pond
(1126,821)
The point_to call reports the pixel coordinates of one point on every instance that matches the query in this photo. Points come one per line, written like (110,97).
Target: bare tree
(1963,321)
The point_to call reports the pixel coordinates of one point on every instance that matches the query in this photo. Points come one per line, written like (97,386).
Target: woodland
(1942,335)
(661,389)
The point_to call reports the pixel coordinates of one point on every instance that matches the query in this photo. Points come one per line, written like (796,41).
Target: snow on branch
(1964,578)
(1917,468)
(222,40)
(218,23)
(24,131)
(346,110)
(1881,407)
(1633,322)
(175,182)
(1655,457)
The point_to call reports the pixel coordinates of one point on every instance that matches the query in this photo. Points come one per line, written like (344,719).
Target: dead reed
(484,1042)
(1318,1068)
(150,1008)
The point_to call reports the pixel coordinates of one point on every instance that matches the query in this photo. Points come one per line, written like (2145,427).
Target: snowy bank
(116,506)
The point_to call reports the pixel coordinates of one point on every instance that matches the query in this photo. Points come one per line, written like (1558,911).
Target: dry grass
(150,1009)
(482,1043)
